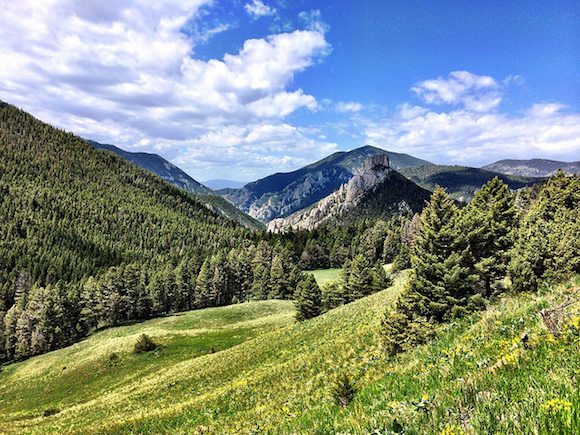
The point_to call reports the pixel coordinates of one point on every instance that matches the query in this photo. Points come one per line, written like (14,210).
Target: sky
(241,89)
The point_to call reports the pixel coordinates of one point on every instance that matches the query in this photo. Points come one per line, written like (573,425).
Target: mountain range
(377,191)
(533,167)
(462,182)
(174,175)
(281,194)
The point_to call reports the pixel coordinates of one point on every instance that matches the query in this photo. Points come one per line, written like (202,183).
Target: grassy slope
(324,276)
(280,381)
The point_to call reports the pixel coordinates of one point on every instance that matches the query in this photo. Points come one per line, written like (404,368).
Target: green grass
(280,380)
(324,276)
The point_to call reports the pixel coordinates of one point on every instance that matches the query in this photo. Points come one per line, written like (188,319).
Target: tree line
(499,241)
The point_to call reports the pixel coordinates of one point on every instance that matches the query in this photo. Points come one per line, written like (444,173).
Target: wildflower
(551,338)
(452,430)
(556,405)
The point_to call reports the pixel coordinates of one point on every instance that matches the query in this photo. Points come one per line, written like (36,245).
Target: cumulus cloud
(475,138)
(343,107)
(258,9)
(126,73)
(474,92)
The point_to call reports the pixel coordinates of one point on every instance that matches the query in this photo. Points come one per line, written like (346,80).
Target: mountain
(462,182)
(159,166)
(172,174)
(218,183)
(377,191)
(533,167)
(88,239)
(281,194)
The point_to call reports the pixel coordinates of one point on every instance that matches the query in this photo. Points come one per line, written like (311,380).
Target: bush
(144,344)
(50,411)
(343,390)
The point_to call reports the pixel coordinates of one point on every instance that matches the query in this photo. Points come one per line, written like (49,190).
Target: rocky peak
(376,162)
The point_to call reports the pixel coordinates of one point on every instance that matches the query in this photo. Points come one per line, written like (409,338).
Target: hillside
(218,183)
(533,167)
(377,191)
(282,194)
(461,182)
(281,379)
(172,174)
(88,240)
(159,166)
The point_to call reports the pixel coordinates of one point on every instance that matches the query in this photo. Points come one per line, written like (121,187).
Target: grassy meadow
(271,375)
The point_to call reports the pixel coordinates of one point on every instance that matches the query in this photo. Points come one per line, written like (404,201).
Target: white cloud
(126,73)
(258,9)
(343,107)
(474,92)
(473,138)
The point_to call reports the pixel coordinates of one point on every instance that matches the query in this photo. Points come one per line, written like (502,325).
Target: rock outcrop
(374,171)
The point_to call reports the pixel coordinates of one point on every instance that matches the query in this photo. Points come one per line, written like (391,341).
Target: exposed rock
(374,170)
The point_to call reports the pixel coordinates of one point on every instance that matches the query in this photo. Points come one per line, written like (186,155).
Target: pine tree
(278,281)
(360,279)
(203,286)
(308,301)
(488,223)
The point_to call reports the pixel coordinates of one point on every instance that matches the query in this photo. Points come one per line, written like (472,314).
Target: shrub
(50,411)
(144,344)
(343,390)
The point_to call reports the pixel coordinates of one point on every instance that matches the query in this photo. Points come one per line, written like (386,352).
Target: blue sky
(240,89)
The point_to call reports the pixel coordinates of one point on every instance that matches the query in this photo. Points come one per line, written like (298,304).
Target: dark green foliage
(489,222)
(90,240)
(144,344)
(441,284)
(460,181)
(360,281)
(50,411)
(308,299)
(343,390)
(548,240)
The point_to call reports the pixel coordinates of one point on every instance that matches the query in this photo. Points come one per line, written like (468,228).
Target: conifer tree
(278,281)
(308,301)
(488,222)
(360,279)
(202,286)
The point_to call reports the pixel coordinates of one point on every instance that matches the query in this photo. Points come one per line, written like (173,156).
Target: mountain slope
(462,182)
(172,174)
(281,381)
(533,167)
(159,166)
(377,191)
(68,211)
(218,183)
(282,194)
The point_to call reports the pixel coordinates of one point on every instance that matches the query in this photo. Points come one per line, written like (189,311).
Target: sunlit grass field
(324,276)
(271,375)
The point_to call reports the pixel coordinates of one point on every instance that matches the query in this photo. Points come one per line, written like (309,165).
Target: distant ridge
(159,166)
(533,167)
(174,175)
(376,192)
(218,183)
(284,193)
(462,182)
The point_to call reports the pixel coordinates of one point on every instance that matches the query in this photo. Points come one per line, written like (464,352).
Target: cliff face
(281,194)
(374,172)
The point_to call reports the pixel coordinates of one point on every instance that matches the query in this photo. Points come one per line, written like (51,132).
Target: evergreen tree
(360,278)
(489,222)
(203,286)
(278,280)
(308,301)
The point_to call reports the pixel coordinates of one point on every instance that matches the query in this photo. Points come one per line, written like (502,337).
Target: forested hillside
(462,182)
(88,240)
